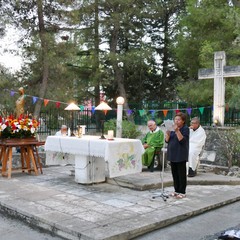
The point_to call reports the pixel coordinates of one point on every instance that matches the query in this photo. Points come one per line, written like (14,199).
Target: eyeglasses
(193,122)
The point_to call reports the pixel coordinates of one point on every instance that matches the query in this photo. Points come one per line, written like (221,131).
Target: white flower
(32,130)
(2,126)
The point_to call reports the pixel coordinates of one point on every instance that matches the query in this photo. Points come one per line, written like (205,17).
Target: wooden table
(29,155)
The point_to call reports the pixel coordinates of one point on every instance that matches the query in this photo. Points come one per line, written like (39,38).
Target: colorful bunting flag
(189,111)
(152,112)
(141,112)
(93,109)
(12,93)
(81,107)
(46,102)
(201,109)
(58,104)
(177,110)
(34,99)
(129,112)
(165,112)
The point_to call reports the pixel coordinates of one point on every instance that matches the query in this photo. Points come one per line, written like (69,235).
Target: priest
(152,142)
(196,143)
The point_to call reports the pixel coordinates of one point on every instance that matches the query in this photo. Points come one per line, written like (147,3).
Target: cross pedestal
(219,73)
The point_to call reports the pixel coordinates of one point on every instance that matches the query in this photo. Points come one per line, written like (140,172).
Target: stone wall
(215,149)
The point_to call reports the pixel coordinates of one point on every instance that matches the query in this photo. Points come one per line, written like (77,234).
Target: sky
(8,48)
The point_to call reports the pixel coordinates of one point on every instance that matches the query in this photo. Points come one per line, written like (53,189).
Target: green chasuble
(155,140)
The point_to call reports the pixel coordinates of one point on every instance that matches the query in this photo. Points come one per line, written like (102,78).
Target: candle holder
(72,107)
(79,132)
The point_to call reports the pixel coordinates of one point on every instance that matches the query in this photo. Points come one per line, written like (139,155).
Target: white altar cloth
(122,156)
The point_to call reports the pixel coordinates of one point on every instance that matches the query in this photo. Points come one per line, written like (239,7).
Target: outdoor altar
(96,158)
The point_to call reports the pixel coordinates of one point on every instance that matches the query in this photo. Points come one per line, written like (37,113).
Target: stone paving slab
(113,210)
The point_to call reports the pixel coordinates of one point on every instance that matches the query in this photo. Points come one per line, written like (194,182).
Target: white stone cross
(219,73)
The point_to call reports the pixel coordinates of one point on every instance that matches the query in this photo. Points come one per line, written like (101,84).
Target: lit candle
(83,128)
(110,134)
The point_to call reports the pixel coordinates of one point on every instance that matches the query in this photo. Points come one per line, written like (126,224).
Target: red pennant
(177,110)
(227,107)
(58,104)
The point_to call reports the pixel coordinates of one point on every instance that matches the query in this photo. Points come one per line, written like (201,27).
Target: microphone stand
(162,194)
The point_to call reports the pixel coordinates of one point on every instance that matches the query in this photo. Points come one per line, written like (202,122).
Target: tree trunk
(118,72)
(96,65)
(45,62)
(165,58)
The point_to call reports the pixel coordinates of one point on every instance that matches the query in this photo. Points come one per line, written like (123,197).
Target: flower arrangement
(21,127)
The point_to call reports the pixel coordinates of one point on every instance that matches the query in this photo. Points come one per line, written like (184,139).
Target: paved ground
(123,208)
(14,229)
(206,226)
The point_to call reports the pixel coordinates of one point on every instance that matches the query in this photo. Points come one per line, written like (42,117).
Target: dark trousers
(179,176)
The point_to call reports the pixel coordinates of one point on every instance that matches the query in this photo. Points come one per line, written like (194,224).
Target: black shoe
(191,173)
(151,167)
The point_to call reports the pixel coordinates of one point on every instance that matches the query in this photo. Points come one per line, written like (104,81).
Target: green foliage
(129,129)
(234,101)
(206,27)
(154,117)
(230,146)
(7,83)
(196,93)
(206,54)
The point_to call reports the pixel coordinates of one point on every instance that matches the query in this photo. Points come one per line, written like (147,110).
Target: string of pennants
(165,111)
(35,99)
(142,112)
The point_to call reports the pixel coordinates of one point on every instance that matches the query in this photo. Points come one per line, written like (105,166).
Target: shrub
(129,129)
(230,146)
